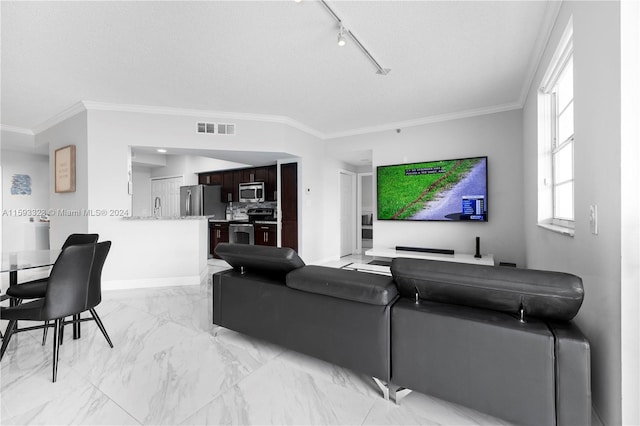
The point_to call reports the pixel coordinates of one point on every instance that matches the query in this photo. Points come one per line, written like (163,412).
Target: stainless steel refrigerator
(202,200)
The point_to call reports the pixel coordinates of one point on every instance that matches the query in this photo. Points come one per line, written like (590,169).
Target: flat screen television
(447,190)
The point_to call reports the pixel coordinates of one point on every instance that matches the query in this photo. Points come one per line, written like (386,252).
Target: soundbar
(425,250)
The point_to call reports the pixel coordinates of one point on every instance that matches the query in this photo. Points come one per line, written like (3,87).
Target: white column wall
(630,206)
(72,131)
(595,258)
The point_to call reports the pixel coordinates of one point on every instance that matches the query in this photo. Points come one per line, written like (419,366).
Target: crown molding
(279,119)
(551,16)
(15,129)
(428,120)
(60,117)
(197,113)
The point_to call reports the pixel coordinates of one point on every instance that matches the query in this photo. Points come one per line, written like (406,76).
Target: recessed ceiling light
(162,151)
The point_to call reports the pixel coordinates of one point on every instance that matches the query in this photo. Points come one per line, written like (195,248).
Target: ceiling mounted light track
(342,40)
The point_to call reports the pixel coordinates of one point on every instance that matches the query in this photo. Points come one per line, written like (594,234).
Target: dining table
(15,261)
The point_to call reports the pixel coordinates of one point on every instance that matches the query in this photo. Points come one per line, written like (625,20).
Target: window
(556,141)
(562,145)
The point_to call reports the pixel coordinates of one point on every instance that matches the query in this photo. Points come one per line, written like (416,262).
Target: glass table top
(19,260)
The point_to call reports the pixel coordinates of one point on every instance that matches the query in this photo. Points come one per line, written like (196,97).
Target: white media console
(390,253)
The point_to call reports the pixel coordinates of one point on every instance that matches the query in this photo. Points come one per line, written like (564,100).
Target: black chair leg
(57,328)
(44,332)
(61,333)
(76,326)
(95,316)
(7,337)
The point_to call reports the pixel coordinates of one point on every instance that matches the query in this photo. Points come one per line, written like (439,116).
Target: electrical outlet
(593,219)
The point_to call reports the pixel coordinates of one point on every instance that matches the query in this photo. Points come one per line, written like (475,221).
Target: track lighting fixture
(341,40)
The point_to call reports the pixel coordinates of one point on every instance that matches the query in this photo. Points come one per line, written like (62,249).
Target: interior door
(347,213)
(165,196)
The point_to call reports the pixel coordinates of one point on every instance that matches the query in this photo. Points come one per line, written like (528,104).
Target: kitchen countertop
(166,218)
(258,222)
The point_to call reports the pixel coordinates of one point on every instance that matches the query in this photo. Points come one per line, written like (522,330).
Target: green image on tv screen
(448,190)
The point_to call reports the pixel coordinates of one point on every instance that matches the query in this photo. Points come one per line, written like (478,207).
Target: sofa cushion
(259,258)
(542,294)
(350,285)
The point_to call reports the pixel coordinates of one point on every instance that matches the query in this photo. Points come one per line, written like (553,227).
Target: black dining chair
(73,287)
(94,293)
(36,289)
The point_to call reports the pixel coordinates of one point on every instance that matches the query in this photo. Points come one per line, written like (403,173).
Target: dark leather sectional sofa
(496,339)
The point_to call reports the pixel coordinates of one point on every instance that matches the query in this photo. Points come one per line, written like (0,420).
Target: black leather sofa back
(339,316)
(542,294)
(252,258)
(343,284)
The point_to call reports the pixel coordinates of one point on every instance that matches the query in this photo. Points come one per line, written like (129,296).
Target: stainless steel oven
(241,233)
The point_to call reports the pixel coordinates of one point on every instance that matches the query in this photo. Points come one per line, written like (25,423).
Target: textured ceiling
(271,57)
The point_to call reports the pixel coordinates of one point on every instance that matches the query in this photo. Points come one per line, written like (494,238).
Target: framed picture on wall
(65,169)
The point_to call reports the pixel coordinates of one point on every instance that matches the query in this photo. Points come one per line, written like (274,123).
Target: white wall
(499,137)
(198,164)
(188,166)
(595,258)
(318,238)
(153,253)
(110,135)
(19,233)
(141,197)
(72,131)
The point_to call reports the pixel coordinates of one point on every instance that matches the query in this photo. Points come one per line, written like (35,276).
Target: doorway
(347,213)
(365,212)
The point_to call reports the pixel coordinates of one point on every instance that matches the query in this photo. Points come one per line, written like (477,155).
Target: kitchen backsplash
(239,210)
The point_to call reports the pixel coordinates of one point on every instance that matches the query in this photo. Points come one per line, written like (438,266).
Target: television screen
(448,190)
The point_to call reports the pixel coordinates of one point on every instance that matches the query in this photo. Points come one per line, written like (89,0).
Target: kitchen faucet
(157,207)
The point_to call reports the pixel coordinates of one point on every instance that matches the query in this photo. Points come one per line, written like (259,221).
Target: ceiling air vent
(223,129)
(206,128)
(226,129)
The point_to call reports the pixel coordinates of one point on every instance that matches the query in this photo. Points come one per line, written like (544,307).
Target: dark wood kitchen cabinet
(215,179)
(230,179)
(230,183)
(270,182)
(218,233)
(289,203)
(265,234)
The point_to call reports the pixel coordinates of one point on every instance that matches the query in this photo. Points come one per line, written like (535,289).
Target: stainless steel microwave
(251,192)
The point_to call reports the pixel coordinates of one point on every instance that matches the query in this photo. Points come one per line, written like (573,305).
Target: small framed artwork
(65,169)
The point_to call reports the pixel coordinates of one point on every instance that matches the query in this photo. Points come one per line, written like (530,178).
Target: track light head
(341,38)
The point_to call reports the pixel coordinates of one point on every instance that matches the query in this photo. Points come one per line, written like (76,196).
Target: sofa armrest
(573,374)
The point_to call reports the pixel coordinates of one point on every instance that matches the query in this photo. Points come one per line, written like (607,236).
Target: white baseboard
(108,285)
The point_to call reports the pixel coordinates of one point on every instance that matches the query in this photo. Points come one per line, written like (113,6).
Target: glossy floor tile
(171,365)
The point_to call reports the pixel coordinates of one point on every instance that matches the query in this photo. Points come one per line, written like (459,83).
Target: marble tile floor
(171,365)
